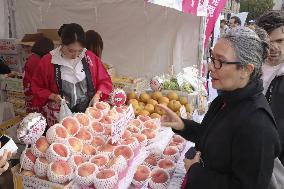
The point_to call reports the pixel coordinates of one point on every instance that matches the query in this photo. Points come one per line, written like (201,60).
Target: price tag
(129,113)
(182,112)
(118,129)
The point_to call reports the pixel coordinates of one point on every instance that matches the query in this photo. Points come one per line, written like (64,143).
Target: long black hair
(42,46)
(94,42)
(71,33)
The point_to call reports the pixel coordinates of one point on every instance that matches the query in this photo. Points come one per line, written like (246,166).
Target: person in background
(70,72)
(4,69)
(223,27)
(237,140)
(235,22)
(94,43)
(40,48)
(273,69)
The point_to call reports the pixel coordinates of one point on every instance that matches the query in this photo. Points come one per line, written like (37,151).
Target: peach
(134,122)
(129,140)
(178,139)
(126,134)
(107,131)
(124,151)
(98,141)
(110,142)
(78,160)
(106,120)
(159,176)
(86,169)
(60,168)
(30,155)
(60,149)
(99,160)
(83,119)
(106,148)
(89,150)
(105,174)
(140,137)
(83,134)
(151,160)
(72,125)
(133,129)
(169,151)
(113,114)
(94,113)
(151,125)
(43,160)
(166,164)
(143,118)
(75,144)
(97,127)
(142,173)
(42,144)
(102,105)
(119,110)
(150,134)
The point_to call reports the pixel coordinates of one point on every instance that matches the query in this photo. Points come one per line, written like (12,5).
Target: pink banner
(214,8)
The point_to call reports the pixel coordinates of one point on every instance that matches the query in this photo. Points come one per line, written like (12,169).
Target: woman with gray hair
(237,140)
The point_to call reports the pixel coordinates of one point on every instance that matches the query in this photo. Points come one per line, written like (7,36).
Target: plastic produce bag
(64,111)
(6,111)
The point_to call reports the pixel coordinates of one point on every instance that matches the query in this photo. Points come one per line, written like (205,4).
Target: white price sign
(182,112)
(118,129)
(129,113)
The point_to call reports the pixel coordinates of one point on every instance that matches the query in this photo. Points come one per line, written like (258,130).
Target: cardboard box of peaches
(145,103)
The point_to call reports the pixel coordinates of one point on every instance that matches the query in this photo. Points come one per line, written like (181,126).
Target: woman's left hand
(189,162)
(96,98)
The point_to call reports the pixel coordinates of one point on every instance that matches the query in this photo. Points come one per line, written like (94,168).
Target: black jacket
(275,97)
(238,142)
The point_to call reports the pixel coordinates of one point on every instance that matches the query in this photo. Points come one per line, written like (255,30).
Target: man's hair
(237,20)
(271,20)
(223,21)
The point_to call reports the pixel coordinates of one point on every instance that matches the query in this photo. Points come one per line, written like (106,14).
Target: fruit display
(81,149)
(145,104)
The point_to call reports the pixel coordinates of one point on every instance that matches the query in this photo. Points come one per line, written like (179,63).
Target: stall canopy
(140,39)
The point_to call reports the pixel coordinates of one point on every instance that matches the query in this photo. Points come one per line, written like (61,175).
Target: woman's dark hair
(271,20)
(42,46)
(237,20)
(94,42)
(71,33)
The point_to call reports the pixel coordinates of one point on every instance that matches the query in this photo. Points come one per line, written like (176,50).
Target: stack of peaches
(80,148)
(157,169)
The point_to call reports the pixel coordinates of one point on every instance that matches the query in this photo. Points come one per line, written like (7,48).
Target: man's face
(232,23)
(277,46)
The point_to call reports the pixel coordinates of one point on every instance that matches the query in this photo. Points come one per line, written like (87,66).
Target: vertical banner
(196,7)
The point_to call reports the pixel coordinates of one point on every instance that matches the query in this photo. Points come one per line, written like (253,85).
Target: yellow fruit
(160,111)
(163,100)
(188,107)
(144,113)
(131,95)
(144,97)
(156,95)
(142,105)
(133,101)
(155,115)
(174,105)
(178,113)
(137,110)
(150,108)
(152,101)
(183,100)
(172,95)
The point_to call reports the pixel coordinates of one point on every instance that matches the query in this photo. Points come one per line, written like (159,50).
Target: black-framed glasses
(219,63)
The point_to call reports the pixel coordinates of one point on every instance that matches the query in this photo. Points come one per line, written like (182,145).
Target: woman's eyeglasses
(219,63)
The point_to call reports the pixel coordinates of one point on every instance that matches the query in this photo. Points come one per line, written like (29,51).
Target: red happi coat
(44,83)
(29,70)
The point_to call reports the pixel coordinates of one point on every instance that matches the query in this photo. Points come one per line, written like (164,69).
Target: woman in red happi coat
(70,72)
(41,47)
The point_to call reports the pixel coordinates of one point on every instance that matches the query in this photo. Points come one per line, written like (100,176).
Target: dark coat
(238,142)
(275,98)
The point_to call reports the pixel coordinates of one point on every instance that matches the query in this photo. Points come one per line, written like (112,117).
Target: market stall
(151,52)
